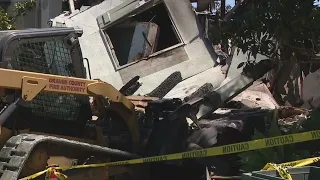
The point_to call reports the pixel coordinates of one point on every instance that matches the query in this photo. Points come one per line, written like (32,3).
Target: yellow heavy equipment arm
(31,84)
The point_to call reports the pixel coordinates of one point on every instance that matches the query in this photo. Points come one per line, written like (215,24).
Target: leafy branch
(7,21)
(278,29)
(21,8)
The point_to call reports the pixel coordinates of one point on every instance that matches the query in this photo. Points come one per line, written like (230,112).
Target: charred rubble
(206,118)
(196,122)
(237,110)
(209,117)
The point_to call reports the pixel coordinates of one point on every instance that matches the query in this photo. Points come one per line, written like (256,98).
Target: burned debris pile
(167,49)
(241,109)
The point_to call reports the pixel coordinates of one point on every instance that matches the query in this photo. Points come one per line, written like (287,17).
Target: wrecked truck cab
(149,39)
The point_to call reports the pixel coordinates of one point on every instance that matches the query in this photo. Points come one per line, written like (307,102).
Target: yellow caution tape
(283,171)
(282,168)
(293,164)
(215,151)
(56,173)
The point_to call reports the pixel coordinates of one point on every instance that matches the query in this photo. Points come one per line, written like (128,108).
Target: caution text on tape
(209,152)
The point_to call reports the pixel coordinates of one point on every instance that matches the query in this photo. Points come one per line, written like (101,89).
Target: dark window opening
(65,6)
(140,36)
(79,3)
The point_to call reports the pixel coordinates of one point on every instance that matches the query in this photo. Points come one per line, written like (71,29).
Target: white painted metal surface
(196,71)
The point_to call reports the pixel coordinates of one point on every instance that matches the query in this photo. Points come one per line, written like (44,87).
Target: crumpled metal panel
(183,15)
(120,11)
(180,12)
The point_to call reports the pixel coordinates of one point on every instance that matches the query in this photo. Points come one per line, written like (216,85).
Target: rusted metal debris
(141,102)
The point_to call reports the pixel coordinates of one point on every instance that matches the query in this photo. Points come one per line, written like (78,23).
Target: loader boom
(31,84)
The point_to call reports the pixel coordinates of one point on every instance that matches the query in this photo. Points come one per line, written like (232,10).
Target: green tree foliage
(282,30)
(21,8)
(7,21)
(256,160)
(278,29)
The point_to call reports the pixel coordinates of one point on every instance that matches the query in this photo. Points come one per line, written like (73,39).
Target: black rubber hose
(7,112)
(127,88)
